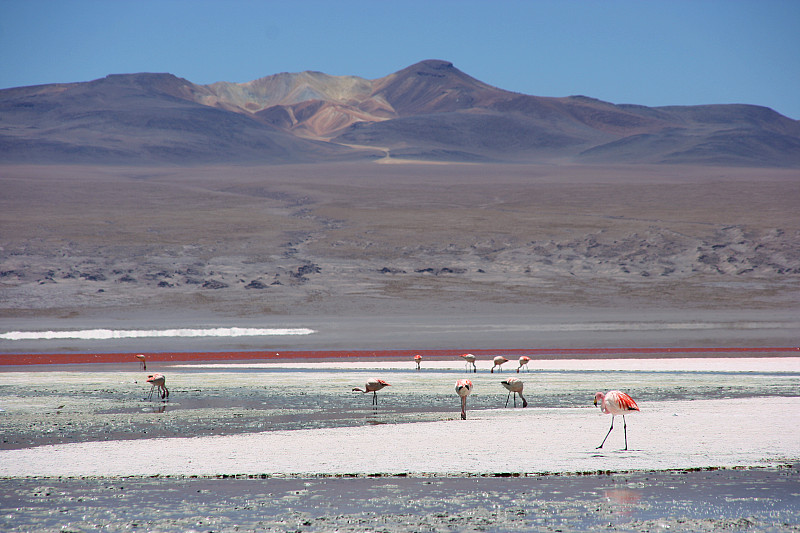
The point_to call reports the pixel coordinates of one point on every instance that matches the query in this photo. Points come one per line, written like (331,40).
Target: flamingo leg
(609,432)
(625,430)
(464,408)
(375,397)
(474,368)
(507,397)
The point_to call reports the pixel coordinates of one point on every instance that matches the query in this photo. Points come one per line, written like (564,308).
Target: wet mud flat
(758,499)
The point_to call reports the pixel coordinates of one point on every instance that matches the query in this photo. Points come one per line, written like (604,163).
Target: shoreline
(785,466)
(26,359)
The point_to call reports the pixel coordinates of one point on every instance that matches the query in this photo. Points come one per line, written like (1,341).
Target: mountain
(430,111)
(139,118)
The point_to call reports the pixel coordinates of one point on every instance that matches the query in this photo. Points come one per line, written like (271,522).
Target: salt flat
(667,435)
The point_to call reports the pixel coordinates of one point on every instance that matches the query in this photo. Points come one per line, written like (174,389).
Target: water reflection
(623,500)
(156,408)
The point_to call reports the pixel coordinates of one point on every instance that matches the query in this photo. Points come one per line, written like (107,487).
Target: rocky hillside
(429,111)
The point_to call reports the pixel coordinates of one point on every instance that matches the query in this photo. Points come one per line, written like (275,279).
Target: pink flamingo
(373,386)
(141,359)
(514,385)
(156,381)
(470,359)
(615,403)
(418,360)
(523,361)
(499,360)
(463,389)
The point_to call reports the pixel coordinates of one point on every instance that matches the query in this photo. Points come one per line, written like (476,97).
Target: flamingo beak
(595,402)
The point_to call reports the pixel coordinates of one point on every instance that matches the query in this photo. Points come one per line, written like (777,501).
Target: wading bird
(463,389)
(514,386)
(373,386)
(499,360)
(418,360)
(615,403)
(523,361)
(156,381)
(470,359)
(142,361)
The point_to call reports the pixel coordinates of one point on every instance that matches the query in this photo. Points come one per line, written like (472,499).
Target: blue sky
(643,52)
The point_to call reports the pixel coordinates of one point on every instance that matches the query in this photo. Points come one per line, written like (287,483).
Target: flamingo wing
(621,401)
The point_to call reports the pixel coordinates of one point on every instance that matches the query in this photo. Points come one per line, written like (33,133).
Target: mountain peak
(433,64)
(431,67)
(432,86)
(147,83)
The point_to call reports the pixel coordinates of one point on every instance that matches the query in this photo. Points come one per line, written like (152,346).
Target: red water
(539,353)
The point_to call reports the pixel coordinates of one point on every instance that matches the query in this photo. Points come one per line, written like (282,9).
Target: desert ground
(369,239)
(392,255)
(400,257)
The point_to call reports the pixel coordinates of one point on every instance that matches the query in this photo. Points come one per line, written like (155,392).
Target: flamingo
(156,381)
(523,361)
(615,403)
(470,359)
(514,385)
(373,386)
(499,360)
(141,359)
(463,389)
(418,360)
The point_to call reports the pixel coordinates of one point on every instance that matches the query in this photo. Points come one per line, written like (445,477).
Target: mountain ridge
(430,111)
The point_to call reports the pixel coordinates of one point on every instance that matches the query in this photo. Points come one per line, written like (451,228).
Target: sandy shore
(670,435)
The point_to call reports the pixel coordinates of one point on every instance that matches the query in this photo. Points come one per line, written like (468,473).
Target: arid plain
(209,245)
